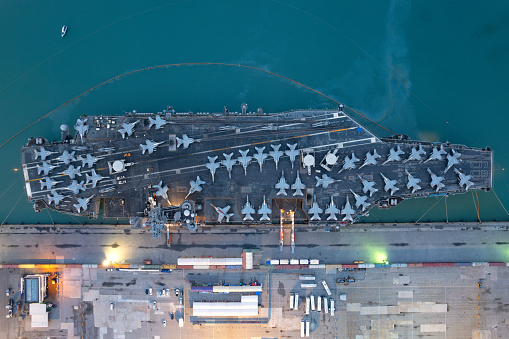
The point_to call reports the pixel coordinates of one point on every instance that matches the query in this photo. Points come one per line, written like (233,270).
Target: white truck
(325,305)
(302,328)
(319,306)
(307,328)
(312,297)
(307,305)
(332,307)
(292,302)
(296,306)
(326,288)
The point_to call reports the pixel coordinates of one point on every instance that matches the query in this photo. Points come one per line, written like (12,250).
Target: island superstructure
(239,168)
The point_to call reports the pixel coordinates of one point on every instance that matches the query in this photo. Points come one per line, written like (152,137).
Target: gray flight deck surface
(130,191)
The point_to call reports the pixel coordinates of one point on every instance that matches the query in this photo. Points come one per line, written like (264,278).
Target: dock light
(106,262)
(386,262)
(15,170)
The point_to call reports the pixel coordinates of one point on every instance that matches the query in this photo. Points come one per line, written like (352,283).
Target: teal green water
(433,70)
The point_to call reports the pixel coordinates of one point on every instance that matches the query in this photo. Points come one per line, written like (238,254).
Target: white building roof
(248,306)
(39,315)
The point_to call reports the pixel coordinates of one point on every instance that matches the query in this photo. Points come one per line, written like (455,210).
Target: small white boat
(64,30)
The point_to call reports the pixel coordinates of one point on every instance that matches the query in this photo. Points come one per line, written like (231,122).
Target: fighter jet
(185,141)
(244,159)
(464,180)
(264,210)
(452,160)
(292,152)
(47,183)
(82,204)
(370,159)
(161,190)
(195,186)
(43,154)
(282,185)
(158,122)
(394,155)
(276,153)
(325,181)
(348,211)
(368,186)
(360,200)
(248,210)
(228,163)
(45,168)
(94,178)
(416,154)
(298,186)
(349,163)
(71,171)
(67,157)
(332,210)
(223,213)
(88,160)
(436,181)
(81,127)
(150,146)
(315,210)
(212,166)
(413,182)
(436,154)
(260,156)
(390,184)
(55,198)
(75,187)
(127,128)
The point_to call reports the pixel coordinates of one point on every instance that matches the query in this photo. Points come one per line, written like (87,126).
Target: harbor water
(432,70)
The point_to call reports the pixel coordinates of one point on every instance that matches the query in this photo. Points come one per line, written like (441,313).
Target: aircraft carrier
(240,168)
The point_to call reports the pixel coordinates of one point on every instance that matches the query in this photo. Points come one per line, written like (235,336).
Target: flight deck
(196,169)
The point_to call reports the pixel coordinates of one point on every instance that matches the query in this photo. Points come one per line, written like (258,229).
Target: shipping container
(304,261)
(274,262)
(332,307)
(307,305)
(307,328)
(319,302)
(284,262)
(312,297)
(351,265)
(296,306)
(307,285)
(306,277)
(302,328)
(326,288)
(314,261)
(292,300)
(325,305)
(294,261)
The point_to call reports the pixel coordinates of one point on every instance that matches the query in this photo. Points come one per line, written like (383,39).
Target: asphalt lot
(417,244)
(381,303)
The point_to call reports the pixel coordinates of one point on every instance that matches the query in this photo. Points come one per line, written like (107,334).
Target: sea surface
(433,70)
